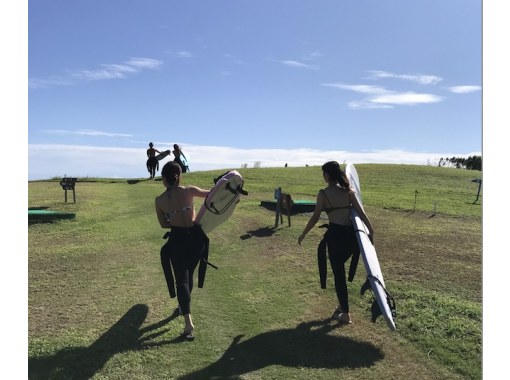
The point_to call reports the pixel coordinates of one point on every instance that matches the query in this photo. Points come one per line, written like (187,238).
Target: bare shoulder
(160,197)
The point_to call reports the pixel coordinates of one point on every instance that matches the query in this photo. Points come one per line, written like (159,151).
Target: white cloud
(234,59)
(86,132)
(464,89)
(406,98)
(418,78)
(183,54)
(49,82)
(98,74)
(144,63)
(361,88)
(120,68)
(48,161)
(363,104)
(313,56)
(380,97)
(300,65)
(107,71)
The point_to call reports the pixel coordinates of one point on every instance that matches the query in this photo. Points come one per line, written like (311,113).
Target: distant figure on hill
(152,161)
(340,238)
(179,156)
(187,244)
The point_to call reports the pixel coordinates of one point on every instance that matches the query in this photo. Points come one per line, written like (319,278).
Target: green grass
(99,307)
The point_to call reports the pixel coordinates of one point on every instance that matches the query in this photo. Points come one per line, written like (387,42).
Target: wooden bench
(67,183)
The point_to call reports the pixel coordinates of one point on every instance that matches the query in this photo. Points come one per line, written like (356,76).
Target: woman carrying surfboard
(336,200)
(187,244)
(152,161)
(180,158)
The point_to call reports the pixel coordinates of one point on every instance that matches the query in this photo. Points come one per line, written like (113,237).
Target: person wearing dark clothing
(184,250)
(179,156)
(152,161)
(187,244)
(336,200)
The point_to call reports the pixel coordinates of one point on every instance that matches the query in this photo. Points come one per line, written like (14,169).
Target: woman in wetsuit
(336,200)
(187,244)
(177,154)
(152,161)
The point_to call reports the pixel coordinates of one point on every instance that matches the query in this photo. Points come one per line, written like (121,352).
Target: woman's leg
(167,269)
(184,263)
(338,266)
(182,283)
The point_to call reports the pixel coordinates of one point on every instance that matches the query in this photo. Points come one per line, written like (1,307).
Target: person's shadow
(308,345)
(84,362)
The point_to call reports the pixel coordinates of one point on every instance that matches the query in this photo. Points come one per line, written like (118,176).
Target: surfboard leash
(238,190)
(214,210)
(208,263)
(389,298)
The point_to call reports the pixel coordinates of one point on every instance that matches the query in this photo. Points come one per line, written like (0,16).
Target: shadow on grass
(135,181)
(261,232)
(84,362)
(308,345)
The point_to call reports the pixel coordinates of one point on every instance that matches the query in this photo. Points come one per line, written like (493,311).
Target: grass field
(99,307)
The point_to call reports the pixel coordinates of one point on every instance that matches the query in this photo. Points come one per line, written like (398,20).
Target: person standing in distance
(336,200)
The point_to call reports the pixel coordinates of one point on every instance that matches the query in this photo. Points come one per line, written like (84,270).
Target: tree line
(470,163)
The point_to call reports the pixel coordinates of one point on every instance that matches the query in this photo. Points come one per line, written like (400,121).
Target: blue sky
(235,82)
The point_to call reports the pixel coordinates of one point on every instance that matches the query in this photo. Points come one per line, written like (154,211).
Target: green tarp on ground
(41,215)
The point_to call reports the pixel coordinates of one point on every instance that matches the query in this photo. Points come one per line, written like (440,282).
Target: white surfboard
(374,274)
(221,201)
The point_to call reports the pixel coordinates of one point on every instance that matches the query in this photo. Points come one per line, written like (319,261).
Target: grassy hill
(99,307)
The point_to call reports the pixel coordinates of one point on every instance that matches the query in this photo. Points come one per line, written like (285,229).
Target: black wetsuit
(181,164)
(342,243)
(152,165)
(184,250)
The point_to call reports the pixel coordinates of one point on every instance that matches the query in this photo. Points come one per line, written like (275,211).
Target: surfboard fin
(376,311)
(389,300)
(366,286)
(220,177)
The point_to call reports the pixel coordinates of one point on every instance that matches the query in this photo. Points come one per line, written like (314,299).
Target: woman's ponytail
(333,170)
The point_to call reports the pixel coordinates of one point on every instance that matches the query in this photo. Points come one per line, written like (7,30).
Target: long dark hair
(171,172)
(333,170)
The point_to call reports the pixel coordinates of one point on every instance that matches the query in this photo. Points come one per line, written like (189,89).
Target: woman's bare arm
(198,192)
(314,218)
